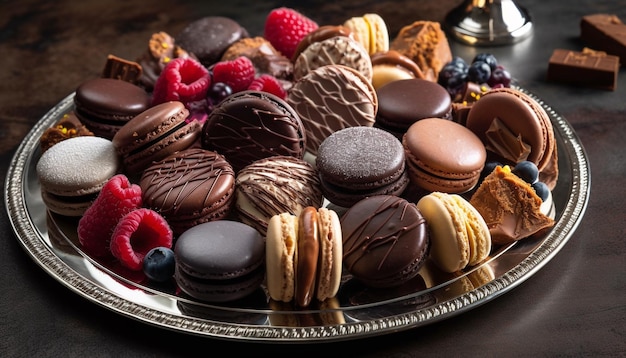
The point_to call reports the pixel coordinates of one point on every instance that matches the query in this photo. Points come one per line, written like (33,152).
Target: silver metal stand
(489,22)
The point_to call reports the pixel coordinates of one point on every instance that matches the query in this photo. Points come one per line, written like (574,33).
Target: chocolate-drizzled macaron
(154,134)
(320,34)
(275,185)
(404,102)
(385,240)
(189,187)
(331,98)
(357,162)
(252,125)
(104,105)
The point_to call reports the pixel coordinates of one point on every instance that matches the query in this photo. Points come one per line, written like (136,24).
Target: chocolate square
(589,68)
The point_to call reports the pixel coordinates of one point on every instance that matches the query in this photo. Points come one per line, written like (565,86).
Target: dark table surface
(574,306)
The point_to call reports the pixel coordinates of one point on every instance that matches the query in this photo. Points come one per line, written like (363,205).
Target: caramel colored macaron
(443,155)
(513,128)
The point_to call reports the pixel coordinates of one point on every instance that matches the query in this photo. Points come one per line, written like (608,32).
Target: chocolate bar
(590,68)
(605,32)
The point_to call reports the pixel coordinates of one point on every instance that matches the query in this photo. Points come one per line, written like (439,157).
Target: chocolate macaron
(252,125)
(442,155)
(220,261)
(385,240)
(514,128)
(331,98)
(404,102)
(104,105)
(189,187)
(154,134)
(357,162)
(208,38)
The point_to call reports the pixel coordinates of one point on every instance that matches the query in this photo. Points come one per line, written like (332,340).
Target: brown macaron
(154,134)
(104,105)
(252,125)
(404,102)
(514,127)
(443,155)
(189,187)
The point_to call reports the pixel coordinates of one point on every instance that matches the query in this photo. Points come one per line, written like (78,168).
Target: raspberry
(117,198)
(285,28)
(237,73)
(268,83)
(138,232)
(182,79)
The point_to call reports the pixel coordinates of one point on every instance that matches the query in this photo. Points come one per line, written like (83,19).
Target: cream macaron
(459,235)
(303,256)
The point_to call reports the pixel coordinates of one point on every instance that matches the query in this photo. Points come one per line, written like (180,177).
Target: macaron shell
(189,187)
(517,115)
(449,249)
(331,254)
(379,34)
(331,98)
(251,125)
(402,103)
(77,166)
(281,243)
(443,155)
(478,235)
(360,30)
(104,104)
(338,50)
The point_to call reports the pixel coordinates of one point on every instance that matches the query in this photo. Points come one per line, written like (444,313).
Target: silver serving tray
(359,312)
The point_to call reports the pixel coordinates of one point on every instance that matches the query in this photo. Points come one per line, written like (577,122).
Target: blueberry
(526,170)
(219,91)
(542,190)
(479,72)
(459,62)
(488,59)
(499,76)
(451,77)
(159,263)
(489,167)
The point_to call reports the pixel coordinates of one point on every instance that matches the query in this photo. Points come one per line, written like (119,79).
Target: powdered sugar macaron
(72,172)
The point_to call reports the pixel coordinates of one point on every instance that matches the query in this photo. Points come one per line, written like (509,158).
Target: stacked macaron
(304,256)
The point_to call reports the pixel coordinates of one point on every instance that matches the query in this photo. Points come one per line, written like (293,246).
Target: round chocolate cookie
(189,187)
(209,37)
(252,125)
(220,261)
(358,162)
(404,102)
(385,240)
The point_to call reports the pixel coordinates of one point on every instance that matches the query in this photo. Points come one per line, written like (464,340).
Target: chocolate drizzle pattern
(192,184)
(384,239)
(338,50)
(331,98)
(251,125)
(275,185)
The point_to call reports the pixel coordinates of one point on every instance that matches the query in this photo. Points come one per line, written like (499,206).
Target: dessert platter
(353,310)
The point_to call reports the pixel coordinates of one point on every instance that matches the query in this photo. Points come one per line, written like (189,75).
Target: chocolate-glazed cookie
(385,240)
(252,125)
(189,187)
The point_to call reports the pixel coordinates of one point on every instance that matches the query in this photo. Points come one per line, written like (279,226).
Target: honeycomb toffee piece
(605,32)
(589,68)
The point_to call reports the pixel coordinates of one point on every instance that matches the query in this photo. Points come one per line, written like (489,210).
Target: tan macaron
(459,235)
